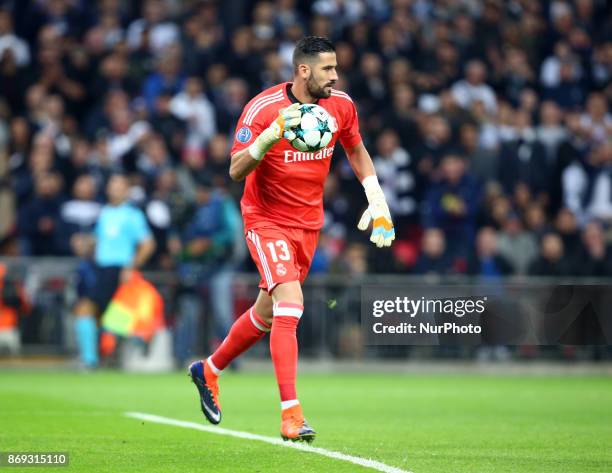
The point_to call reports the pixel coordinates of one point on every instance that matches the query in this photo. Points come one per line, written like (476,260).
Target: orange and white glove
(288,118)
(378,213)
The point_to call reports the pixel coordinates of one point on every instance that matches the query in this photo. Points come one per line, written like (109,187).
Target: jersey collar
(292,98)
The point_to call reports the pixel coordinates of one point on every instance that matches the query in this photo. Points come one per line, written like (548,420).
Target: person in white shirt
(597,120)
(474,88)
(194,107)
(10,41)
(162,33)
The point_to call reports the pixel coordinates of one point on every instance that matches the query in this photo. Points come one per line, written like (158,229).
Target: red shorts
(281,254)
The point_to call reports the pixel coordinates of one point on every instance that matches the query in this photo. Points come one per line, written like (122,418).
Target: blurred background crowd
(489,123)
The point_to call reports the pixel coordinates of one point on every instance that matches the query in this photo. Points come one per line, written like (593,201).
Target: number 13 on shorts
(281,255)
(283,250)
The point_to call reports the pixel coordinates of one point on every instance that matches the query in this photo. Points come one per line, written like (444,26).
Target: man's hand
(126,274)
(288,118)
(378,213)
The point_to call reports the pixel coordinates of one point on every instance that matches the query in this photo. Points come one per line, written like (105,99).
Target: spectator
(452,203)
(551,132)
(14,59)
(601,65)
(434,258)
(523,160)
(79,214)
(340,215)
(535,220)
(597,120)
(487,261)
(483,164)
(569,92)
(517,74)
(596,256)
(108,31)
(241,59)
(474,89)
(168,77)
(125,134)
(10,42)
(38,220)
(54,75)
(234,96)
(456,115)
(113,75)
(153,160)
(98,120)
(552,260)
(587,185)
(153,24)
(353,261)
(167,210)
(550,72)
(85,160)
(202,38)
(518,246)
(400,117)
(435,144)
(566,226)
(369,86)
(192,106)
(218,160)
(442,67)
(172,129)
(396,171)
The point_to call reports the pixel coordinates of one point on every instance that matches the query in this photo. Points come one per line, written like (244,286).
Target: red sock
(246,332)
(284,348)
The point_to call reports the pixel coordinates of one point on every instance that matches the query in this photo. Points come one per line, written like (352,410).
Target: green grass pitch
(423,424)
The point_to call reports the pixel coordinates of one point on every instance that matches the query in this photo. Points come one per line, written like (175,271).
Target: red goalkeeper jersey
(287,187)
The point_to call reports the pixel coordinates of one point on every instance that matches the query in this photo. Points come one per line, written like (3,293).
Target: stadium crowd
(489,123)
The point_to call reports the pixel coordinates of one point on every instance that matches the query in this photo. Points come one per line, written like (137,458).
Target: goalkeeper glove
(383,232)
(288,118)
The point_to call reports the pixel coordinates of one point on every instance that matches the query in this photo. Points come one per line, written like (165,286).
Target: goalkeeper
(282,209)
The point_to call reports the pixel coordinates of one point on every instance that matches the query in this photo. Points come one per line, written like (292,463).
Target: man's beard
(315,90)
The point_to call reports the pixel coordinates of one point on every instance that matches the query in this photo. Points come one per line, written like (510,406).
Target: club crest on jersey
(280,269)
(292,156)
(244,134)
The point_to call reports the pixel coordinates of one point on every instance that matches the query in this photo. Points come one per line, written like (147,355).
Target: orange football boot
(208,389)
(294,427)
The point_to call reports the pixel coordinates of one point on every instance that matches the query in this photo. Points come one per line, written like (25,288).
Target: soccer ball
(316,128)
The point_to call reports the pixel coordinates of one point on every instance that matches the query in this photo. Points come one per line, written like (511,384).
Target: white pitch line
(365,462)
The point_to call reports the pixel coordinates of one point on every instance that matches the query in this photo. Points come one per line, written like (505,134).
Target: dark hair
(309,47)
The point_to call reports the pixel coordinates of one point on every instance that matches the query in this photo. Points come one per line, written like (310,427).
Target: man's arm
(242,164)
(246,160)
(377,212)
(360,161)
(143,252)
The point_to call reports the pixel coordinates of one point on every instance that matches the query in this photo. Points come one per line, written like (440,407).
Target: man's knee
(84,307)
(288,292)
(285,292)
(263,307)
